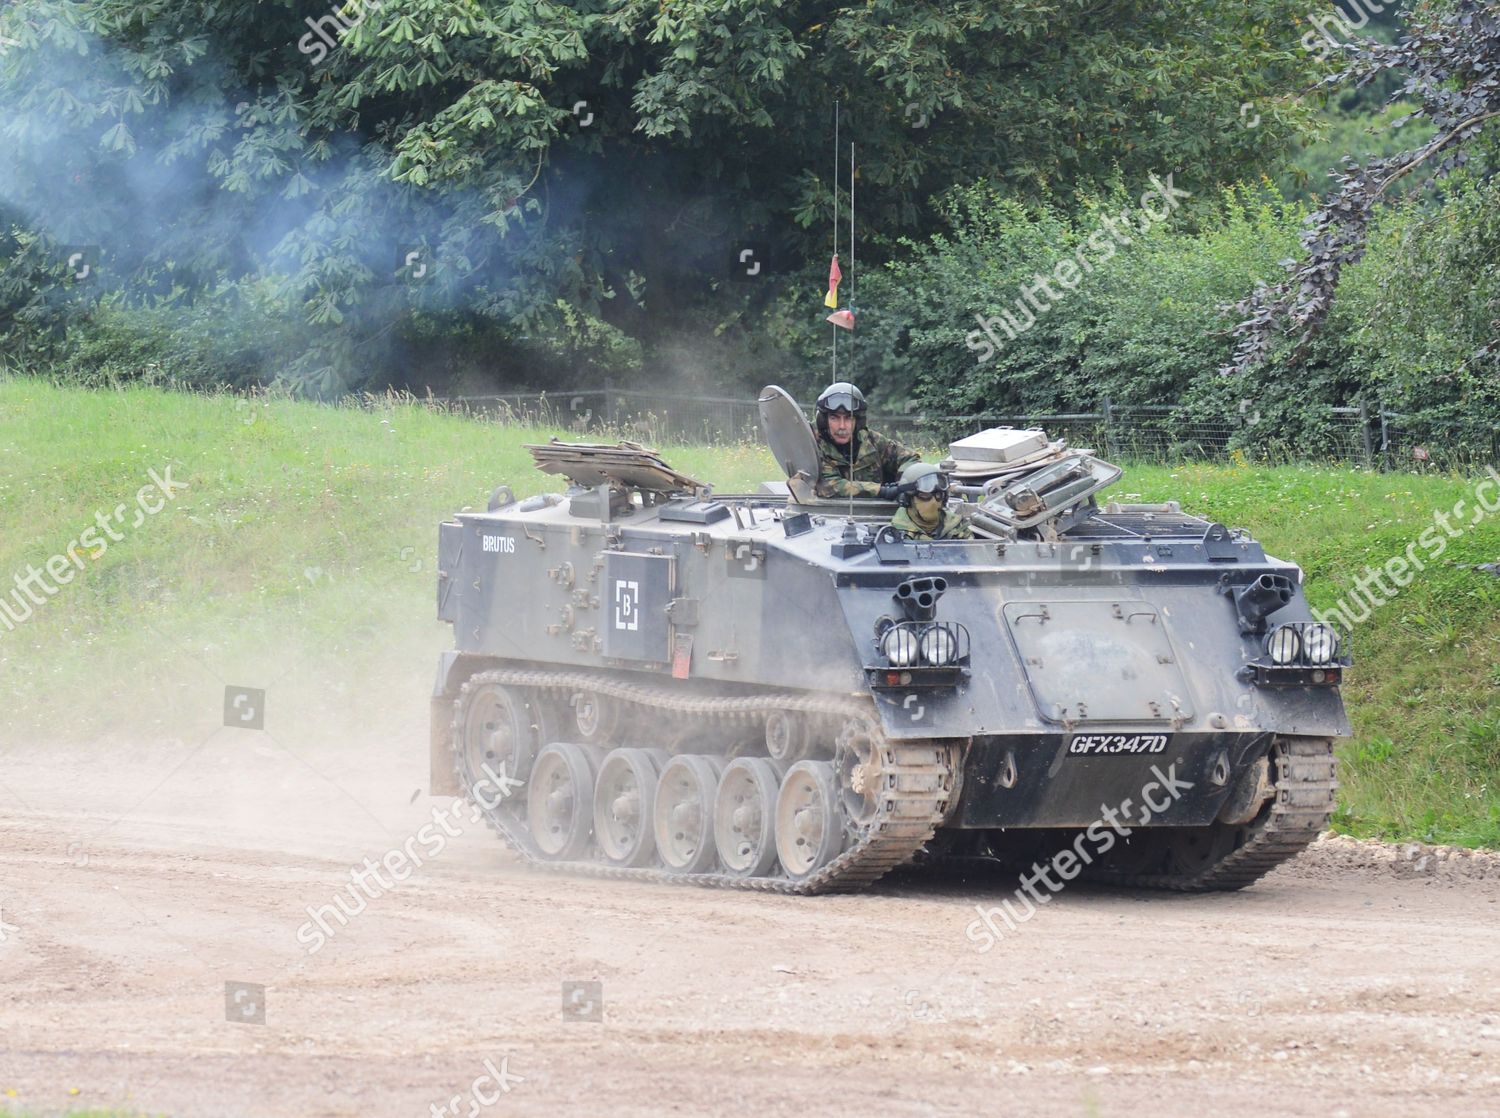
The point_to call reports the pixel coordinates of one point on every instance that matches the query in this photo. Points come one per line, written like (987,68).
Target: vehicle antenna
(835,329)
(854,439)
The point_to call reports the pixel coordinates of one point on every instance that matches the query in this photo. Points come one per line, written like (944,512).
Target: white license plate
(1093,745)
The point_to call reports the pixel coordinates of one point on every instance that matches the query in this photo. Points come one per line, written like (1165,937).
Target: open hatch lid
(788,433)
(625,465)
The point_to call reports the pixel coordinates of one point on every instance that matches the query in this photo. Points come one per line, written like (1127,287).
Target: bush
(1413,326)
(1423,318)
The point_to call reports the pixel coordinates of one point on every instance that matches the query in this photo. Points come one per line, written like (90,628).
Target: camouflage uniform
(880,461)
(953,527)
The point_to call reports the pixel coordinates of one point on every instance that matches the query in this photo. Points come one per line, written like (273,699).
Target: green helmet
(924,478)
(841,396)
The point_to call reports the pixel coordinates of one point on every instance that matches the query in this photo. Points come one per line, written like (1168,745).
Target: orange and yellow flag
(834,277)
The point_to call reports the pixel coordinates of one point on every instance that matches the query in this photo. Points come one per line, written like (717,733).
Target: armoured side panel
(723,604)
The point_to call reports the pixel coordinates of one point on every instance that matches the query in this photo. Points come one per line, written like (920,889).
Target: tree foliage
(1450,65)
(1421,316)
(1144,327)
(570,177)
(1152,324)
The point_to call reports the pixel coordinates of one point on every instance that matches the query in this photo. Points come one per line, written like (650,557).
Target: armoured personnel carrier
(772,691)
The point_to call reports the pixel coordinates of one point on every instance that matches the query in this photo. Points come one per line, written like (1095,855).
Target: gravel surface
(137,880)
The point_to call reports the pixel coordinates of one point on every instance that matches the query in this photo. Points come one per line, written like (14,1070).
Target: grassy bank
(299,560)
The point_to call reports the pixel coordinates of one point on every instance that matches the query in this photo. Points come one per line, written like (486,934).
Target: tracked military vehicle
(772,691)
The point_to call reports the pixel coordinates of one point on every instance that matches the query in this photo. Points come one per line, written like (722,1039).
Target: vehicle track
(919,779)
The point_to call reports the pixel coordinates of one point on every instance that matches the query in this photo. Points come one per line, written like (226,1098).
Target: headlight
(939,646)
(900,647)
(1321,644)
(1283,645)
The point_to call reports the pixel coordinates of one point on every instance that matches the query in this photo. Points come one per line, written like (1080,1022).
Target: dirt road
(135,882)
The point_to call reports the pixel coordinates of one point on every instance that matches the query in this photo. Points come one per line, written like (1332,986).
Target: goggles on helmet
(930,485)
(842,396)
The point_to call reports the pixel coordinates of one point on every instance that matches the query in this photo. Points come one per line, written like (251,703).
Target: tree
(1450,61)
(536,179)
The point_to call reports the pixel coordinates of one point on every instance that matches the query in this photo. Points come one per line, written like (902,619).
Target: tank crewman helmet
(841,396)
(924,479)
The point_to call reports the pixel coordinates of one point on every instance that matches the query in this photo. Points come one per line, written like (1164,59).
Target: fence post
(1385,439)
(609,402)
(1364,431)
(1110,446)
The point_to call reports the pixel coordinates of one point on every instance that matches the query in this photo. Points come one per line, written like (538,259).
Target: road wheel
(560,800)
(745,817)
(623,799)
(684,812)
(809,826)
(494,734)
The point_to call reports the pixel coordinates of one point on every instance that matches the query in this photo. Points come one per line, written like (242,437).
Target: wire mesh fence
(640,416)
(1370,437)
(1175,434)
(1421,443)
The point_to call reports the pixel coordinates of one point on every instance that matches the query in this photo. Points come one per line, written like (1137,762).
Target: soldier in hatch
(854,461)
(924,513)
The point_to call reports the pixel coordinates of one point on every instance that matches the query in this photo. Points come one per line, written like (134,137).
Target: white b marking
(627,606)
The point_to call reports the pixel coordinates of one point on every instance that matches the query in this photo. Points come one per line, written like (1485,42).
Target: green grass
(1424,693)
(300,558)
